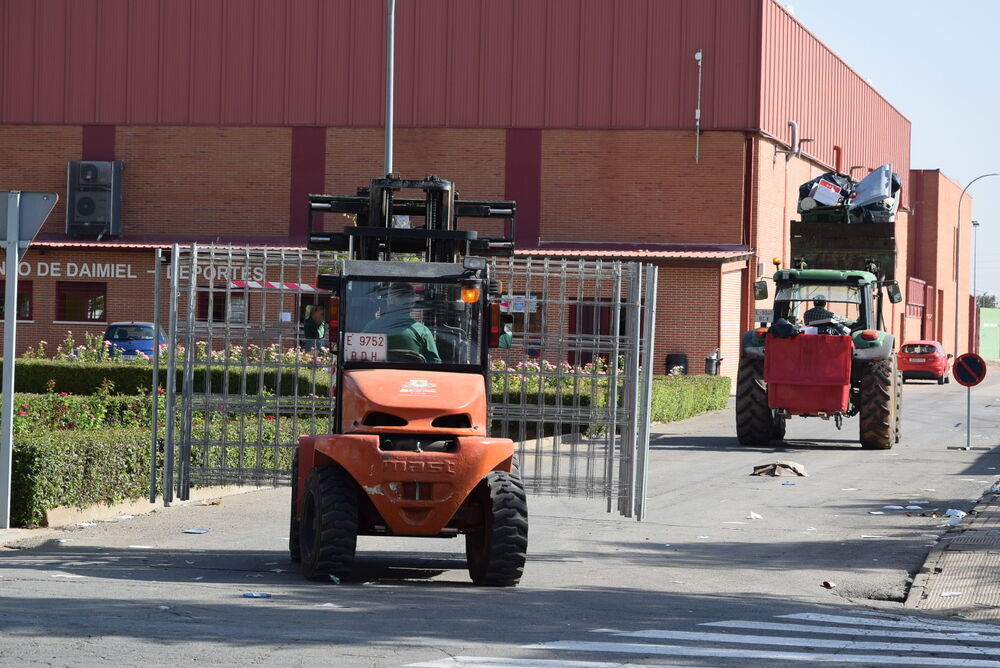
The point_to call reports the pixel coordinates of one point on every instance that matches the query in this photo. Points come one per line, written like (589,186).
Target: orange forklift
(410,452)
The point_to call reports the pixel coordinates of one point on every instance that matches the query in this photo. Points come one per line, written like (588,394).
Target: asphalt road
(697,583)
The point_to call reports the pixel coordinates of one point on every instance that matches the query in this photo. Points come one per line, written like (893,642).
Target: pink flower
(63,394)
(160,390)
(24,407)
(22,413)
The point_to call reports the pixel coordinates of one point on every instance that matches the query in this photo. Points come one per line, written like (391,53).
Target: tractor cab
(832,304)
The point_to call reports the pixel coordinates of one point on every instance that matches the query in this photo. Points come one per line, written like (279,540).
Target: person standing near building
(315,330)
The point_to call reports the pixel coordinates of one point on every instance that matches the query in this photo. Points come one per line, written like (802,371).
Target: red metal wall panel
(460,63)
(803,80)
(206,62)
(81,44)
(50,63)
(144,34)
(238,33)
(301,82)
(175,48)
(463,76)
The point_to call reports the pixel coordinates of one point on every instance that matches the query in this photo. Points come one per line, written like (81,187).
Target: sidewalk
(962,573)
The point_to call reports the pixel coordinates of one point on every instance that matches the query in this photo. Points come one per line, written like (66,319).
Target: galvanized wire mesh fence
(569,386)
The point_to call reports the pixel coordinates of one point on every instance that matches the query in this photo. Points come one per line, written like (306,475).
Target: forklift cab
(428,316)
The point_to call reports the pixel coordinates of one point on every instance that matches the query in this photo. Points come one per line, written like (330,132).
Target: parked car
(132,338)
(924,360)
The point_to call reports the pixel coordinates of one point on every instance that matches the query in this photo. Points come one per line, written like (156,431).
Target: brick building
(227,113)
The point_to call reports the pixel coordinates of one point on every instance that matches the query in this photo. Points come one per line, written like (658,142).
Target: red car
(924,360)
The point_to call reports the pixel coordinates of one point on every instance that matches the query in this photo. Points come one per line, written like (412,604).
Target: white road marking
(905,622)
(843,630)
(741,653)
(475,661)
(828,643)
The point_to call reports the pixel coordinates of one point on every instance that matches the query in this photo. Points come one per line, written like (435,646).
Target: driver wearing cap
(408,340)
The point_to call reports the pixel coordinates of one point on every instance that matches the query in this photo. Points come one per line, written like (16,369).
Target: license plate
(917,359)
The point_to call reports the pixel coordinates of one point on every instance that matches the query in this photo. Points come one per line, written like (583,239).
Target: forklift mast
(374,235)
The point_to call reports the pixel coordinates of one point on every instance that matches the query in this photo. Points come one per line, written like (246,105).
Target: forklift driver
(408,339)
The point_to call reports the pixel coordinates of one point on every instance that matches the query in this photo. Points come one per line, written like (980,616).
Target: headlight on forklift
(471,292)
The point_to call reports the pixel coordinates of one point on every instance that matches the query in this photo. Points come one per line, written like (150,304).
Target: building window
(215,307)
(23,300)
(81,302)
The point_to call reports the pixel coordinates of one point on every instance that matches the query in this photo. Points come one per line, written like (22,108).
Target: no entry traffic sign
(969,369)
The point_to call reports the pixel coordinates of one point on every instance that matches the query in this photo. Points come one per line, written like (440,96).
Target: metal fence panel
(570,388)
(249,382)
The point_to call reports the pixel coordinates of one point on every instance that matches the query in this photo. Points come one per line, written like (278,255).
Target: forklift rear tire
(497,549)
(294,551)
(877,405)
(328,532)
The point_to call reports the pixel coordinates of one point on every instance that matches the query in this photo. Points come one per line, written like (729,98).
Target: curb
(65,516)
(933,564)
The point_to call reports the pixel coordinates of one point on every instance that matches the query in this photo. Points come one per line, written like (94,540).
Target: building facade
(594,115)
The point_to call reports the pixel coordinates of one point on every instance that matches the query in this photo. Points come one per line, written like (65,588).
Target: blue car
(132,338)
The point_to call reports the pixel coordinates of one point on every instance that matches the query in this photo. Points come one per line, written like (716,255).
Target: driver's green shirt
(405,333)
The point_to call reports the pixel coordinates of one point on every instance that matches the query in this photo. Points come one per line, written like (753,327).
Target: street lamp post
(958,246)
(975,295)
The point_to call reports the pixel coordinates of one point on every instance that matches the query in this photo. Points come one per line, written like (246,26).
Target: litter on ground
(196,530)
(783,468)
(250,594)
(754,516)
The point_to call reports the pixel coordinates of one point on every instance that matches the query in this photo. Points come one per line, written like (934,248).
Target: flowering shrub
(63,411)
(95,349)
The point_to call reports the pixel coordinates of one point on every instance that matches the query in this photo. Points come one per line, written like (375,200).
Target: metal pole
(975,297)
(168,453)
(968,418)
(13,255)
(389,48)
(958,246)
(153,445)
(648,364)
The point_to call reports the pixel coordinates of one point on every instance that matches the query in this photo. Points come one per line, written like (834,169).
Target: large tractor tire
(329,523)
(877,405)
(497,549)
(294,551)
(756,423)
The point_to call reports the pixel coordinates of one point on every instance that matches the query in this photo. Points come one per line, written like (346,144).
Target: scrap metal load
(848,225)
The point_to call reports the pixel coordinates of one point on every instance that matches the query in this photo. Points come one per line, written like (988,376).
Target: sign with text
(365,347)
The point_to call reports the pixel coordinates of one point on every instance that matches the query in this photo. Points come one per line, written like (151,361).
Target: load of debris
(835,197)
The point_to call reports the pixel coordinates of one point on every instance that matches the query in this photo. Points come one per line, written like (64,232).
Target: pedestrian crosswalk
(860,638)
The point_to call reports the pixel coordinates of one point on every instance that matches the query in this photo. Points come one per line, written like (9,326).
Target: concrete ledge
(65,516)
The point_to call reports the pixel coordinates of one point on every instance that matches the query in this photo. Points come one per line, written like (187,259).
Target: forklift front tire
(328,528)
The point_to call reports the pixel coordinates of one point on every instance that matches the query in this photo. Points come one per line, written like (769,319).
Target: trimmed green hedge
(80,468)
(681,397)
(77,468)
(136,378)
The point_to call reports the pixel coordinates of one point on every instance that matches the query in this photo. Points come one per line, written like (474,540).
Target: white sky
(937,62)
